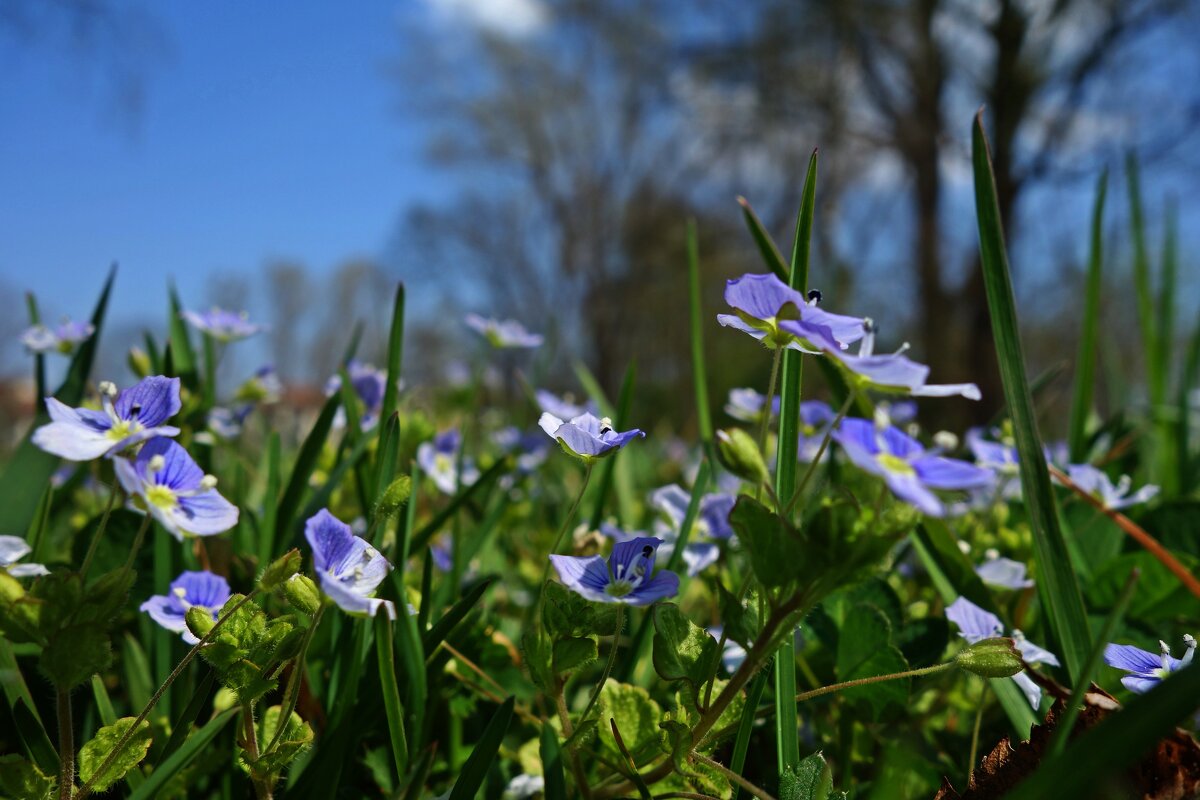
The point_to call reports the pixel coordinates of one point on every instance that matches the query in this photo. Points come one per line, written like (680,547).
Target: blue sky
(265,133)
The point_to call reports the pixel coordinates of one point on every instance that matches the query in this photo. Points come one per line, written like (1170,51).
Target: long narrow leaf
(770,253)
(302,470)
(1064,604)
(607,470)
(699,370)
(1085,360)
(552,766)
(475,770)
(441,629)
(439,519)
(386,657)
(395,354)
(196,744)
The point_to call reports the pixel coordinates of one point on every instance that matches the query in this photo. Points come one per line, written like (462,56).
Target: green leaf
(183,355)
(20,779)
(776,549)
(302,471)
(439,519)
(637,717)
(201,697)
(740,620)
(811,779)
(93,754)
(565,613)
(74,653)
(1095,757)
(574,652)
(1057,584)
(683,651)
(105,598)
(386,656)
(197,743)
(1085,359)
(442,628)
(395,355)
(864,651)
(696,330)
(475,770)
(552,766)
(741,744)
(30,468)
(297,736)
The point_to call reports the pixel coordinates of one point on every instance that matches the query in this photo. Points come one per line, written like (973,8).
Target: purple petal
(1034,654)
(351,601)
(887,372)
(974,624)
(201,588)
(910,489)
(634,557)
(673,501)
(698,557)
(1132,659)
(151,401)
(1139,684)
(584,576)
(331,540)
(714,513)
(205,514)
(166,613)
(663,585)
(1032,692)
(179,471)
(1004,572)
(761,296)
(939,472)
(844,329)
(900,444)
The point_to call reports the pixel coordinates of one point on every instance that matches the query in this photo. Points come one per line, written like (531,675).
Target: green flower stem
(983,694)
(837,687)
(770,401)
(612,658)
(66,744)
(262,786)
(731,775)
(292,692)
(138,539)
(95,543)
(175,673)
(820,452)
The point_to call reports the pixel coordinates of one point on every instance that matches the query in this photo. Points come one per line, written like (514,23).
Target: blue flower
(893,374)
(1096,483)
(202,590)
(1147,669)
(128,417)
(222,325)
(168,484)
(759,303)
(815,419)
(975,624)
(264,386)
(503,333)
(348,568)
(563,407)
(530,447)
(13,549)
(62,338)
(227,422)
(627,577)
(439,461)
(1003,573)
(586,437)
(909,470)
(370,384)
(747,405)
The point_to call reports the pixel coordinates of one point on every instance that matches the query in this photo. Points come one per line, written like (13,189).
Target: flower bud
(302,593)
(394,496)
(739,454)
(991,658)
(199,621)
(11,589)
(280,570)
(139,362)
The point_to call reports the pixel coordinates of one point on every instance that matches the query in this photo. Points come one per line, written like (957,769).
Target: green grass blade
(395,355)
(1085,360)
(386,655)
(270,504)
(33,735)
(1058,587)
(29,471)
(385,464)
(699,370)
(787,721)
(306,462)
(1183,433)
(741,744)
(196,744)
(201,697)
(1095,758)
(183,355)
(475,770)
(770,253)
(39,359)
(1164,348)
(608,468)
(552,766)
(104,706)
(457,613)
(1142,279)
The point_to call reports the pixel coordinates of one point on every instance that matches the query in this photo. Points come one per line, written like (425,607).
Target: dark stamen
(647,551)
(814,294)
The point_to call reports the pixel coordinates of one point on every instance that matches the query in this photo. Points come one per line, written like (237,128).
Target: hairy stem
(66,744)
(733,776)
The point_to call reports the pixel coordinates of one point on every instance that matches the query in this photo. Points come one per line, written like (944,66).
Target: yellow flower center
(161,496)
(895,464)
(122,429)
(618,588)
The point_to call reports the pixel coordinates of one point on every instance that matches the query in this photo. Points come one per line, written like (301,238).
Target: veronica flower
(530,447)
(893,374)
(439,461)
(369,384)
(62,338)
(165,482)
(1096,483)
(202,590)
(264,386)
(815,419)
(697,556)
(222,325)
(627,577)
(563,407)
(127,417)
(910,471)
(732,654)
(227,422)
(586,437)
(975,624)
(348,568)
(747,405)
(12,550)
(1003,573)
(759,303)
(503,333)
(1147,669)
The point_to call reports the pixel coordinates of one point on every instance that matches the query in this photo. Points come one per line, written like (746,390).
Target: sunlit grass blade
(787,722)
(302,470)
(197,743)
(395,355)
(386,659)
(608,468)
(770,253)
(30,468)
(1057,584)
(699,370)
(1096,757)
(1085,359)
(552,766)
(475,770)
(183,355)
(385,464)
(741,744)
(39,359)
(266,528)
